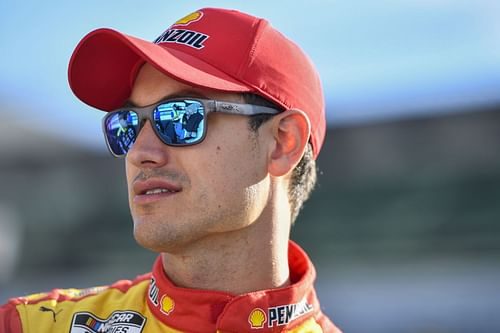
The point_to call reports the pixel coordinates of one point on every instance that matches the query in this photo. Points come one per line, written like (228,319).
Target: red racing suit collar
(261,311)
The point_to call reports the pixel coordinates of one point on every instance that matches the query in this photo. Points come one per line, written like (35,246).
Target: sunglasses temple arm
(242,109)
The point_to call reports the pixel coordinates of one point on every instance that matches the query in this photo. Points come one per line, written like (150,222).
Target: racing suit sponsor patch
(278,315)
(283,314)
(167,304)
(257,318)
(117,322)
(153,292)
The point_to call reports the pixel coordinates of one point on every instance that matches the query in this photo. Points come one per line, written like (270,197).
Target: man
(217,205)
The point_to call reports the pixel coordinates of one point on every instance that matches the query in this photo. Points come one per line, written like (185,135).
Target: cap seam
(251,49)
(261,24)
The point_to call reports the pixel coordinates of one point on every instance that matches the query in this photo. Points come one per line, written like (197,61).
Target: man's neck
(237,262)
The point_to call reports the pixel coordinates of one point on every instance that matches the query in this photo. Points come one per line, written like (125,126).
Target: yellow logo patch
(167,304)
(257,318)
(189,18)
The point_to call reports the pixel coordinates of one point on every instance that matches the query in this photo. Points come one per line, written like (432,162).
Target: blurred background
(404,226)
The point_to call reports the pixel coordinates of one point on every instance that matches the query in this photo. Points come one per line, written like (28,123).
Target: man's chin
(160,241)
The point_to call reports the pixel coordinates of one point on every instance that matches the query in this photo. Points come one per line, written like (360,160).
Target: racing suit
(151,303)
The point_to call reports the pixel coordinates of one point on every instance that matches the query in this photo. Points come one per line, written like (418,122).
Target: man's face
(178,195)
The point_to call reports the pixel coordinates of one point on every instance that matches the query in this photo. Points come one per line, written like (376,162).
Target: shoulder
(58,309)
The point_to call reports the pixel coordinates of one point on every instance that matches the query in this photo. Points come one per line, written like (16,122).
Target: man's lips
(153,189)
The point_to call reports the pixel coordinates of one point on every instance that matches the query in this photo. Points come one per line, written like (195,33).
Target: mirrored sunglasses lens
(180,122)
(121,131)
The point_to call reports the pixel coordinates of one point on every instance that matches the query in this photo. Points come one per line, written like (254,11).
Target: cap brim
(105,63)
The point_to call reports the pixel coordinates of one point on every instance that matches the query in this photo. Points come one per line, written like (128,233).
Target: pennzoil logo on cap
(278,315)
(189,38)
(194,39)
(193,17)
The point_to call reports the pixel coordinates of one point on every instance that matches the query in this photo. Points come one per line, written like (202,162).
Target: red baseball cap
(213,48)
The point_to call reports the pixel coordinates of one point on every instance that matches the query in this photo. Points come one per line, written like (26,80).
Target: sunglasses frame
(209,105)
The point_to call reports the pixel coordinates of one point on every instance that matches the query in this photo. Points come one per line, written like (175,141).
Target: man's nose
(148,150)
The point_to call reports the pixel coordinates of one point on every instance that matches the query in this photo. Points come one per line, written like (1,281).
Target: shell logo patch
(167,304)
(193,17)
(257,318)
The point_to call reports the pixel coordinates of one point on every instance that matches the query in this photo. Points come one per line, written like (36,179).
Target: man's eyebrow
(179,94)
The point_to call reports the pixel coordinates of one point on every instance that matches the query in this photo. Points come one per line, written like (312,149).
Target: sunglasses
(176,122)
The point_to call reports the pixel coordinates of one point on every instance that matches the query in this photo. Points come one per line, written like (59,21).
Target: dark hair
(303,176)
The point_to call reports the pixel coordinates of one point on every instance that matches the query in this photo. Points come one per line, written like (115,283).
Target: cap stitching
(258,32)
(261,24)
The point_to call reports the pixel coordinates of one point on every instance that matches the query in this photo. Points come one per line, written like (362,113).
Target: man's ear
(291,131)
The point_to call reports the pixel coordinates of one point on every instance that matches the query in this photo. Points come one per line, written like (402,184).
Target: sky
(378,60)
